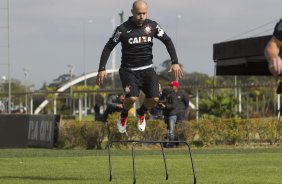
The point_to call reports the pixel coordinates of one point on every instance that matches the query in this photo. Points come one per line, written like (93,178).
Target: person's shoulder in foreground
(278,30)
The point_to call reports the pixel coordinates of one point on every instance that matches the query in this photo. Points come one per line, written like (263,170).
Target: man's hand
(275,65)
(119,106)
(176,69)
(161,105)
(100,77)
(271,52)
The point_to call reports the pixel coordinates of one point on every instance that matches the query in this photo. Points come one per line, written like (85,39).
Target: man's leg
(131,91)
(171,125)
(147,105)
(127,104)
(150,86)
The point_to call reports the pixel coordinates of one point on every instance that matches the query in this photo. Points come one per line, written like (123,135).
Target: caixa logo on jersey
(140,39)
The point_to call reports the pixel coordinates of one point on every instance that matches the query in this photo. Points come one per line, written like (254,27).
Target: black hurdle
(134,142)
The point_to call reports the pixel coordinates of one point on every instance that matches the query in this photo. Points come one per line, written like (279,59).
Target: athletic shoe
(121,124)
(141,125)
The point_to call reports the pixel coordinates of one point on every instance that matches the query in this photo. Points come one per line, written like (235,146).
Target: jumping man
(136,70)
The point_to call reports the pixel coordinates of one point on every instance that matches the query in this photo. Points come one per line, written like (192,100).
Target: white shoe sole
(142,127)
(121,129)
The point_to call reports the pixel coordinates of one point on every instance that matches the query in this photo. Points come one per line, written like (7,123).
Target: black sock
(124,113)
(141,111)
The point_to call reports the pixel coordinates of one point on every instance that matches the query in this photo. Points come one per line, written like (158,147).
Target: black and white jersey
(137,42)
(278,30)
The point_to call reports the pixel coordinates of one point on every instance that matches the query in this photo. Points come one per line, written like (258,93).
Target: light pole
(31,100)
(84,45)
(5,42)
(9,62)
(26,71)
(3,80)
(71,68)
(2,101)
(84,58)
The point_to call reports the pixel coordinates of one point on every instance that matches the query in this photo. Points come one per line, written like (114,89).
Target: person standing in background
(114,104)
(175,103)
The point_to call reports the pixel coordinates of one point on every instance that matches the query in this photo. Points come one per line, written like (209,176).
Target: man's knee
(151,102)
(156,100)
(128,102)
(133,99)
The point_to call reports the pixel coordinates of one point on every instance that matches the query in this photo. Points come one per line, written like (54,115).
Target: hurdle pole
(166,172)
(134,142)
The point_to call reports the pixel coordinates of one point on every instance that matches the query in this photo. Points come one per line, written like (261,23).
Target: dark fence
(18,131)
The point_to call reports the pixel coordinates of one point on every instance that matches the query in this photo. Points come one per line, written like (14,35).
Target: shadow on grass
(44,178)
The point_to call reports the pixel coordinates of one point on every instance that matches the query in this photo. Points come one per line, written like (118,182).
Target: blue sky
(47,35)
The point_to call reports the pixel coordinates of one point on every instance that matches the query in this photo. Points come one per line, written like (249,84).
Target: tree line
(218,96)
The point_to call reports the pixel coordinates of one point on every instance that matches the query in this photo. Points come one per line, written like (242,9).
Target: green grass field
(218,166)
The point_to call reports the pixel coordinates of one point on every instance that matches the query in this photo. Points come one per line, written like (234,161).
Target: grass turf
(213,166)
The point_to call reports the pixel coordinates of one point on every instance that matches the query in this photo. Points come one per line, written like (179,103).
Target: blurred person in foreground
(272,50)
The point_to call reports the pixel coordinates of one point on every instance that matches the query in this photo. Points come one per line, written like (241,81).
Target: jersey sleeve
(278,31)
(113,41)
(162,36)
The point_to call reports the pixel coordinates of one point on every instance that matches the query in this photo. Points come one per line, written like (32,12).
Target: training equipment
(134,142)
